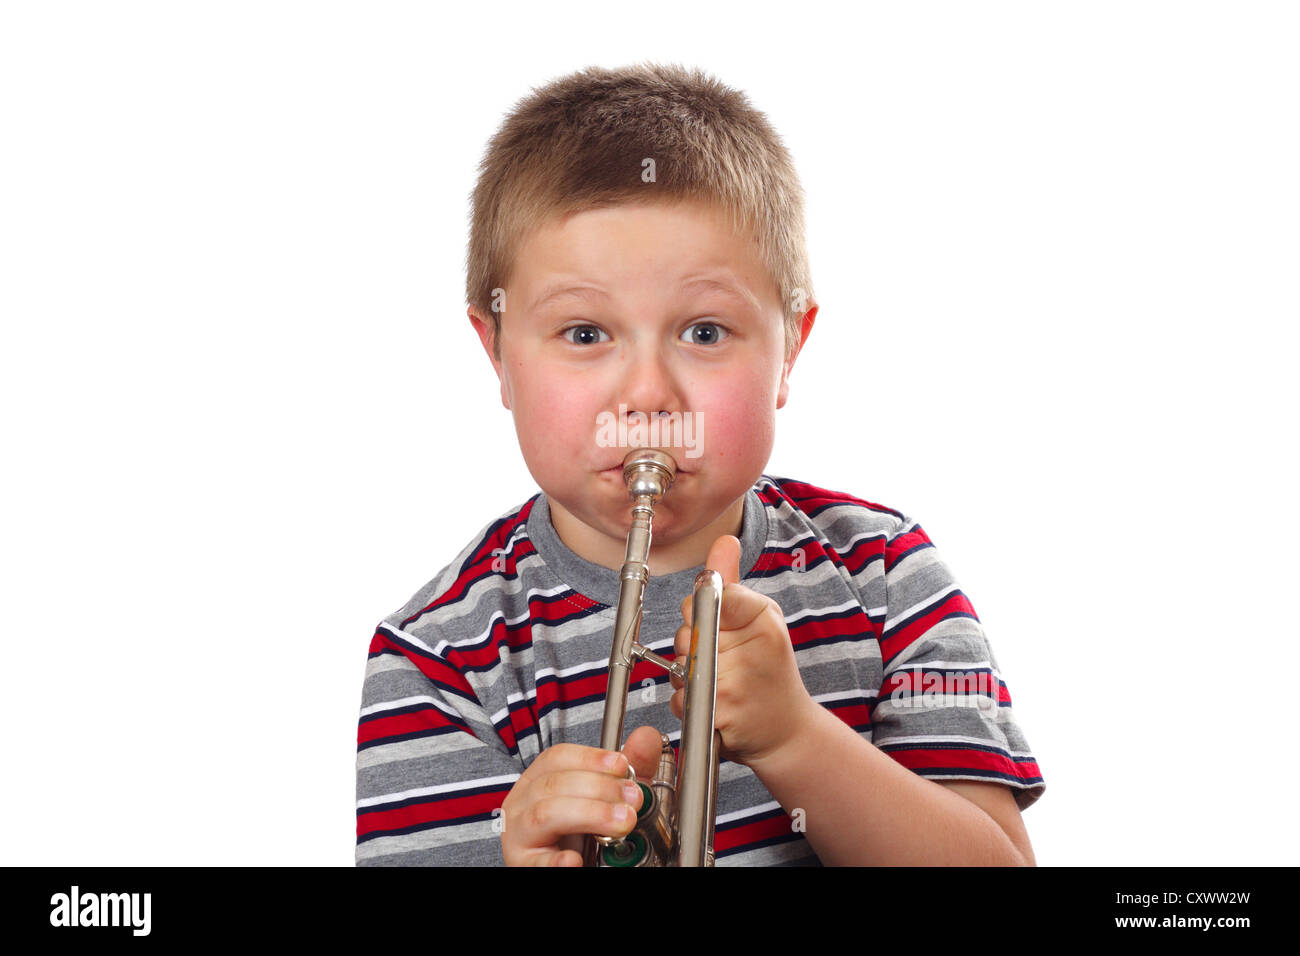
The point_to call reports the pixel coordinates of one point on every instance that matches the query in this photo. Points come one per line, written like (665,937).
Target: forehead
(679,248)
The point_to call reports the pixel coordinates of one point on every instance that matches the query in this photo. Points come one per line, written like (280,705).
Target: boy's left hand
(762,703)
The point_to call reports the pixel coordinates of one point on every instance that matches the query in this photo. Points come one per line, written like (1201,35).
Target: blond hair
(581,142)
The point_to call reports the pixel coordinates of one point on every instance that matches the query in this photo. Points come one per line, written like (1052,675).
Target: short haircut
(579,143)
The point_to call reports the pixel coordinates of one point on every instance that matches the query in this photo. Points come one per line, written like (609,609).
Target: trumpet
(675,824)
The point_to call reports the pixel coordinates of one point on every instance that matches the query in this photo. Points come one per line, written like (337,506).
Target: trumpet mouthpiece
(649,473)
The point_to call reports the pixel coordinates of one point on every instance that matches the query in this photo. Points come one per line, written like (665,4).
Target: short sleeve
(943,710)
(432,772)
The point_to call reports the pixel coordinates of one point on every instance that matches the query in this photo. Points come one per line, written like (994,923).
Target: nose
(650,385)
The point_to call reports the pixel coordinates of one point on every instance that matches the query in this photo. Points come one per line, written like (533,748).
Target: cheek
(740,424)
(555,415)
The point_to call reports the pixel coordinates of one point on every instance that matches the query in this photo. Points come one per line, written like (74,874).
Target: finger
(642,749)
(724,557)
(682,641)
(586,784)
(550,857)
(564,757)
(551,818)
(740,608)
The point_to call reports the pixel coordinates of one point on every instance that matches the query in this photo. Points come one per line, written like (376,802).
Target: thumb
(740,605)
(724,557)
(642,751)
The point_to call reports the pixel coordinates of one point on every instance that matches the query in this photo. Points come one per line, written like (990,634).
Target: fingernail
(613,760)
(632,794)
(620,813)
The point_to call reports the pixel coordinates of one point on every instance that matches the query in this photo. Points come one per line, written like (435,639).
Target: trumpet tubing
(679,808)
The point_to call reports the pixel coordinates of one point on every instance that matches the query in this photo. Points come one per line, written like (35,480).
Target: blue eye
(587,335)
(705,333)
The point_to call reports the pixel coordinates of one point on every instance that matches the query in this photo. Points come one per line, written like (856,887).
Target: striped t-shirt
(506,652)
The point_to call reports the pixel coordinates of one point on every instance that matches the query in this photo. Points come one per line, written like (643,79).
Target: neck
(666,556)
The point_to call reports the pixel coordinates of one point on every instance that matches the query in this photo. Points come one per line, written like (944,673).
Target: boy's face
(662,309)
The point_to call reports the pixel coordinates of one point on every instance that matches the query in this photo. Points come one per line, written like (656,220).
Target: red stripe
(903,543)
(428,718)
(935,681)
(810,630)
(508,736)
(855,714)
(809,497)
(433,668)
(518,636)
(486,561)
(432,811)
(739,837)
(488,653)
(963,759)
(556,608)
(563,692)
(862,553)
(891,646)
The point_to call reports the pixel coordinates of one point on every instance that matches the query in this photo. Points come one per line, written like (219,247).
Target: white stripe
(943,665)
(847,605)
(749,812)
(521,534)
(406,702)
(856,509)
(788,542)
(440,788)
(856,694)
(515,698)
(819,536)
(485,636)
(937,632)
(934,599)
(907,528)
(865,536)
(570,671)
(593,667)
(548,592)
(951,738)
(660,647)
(410,638)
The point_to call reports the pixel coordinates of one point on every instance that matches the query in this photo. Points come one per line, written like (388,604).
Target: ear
(806,327)
(486,336)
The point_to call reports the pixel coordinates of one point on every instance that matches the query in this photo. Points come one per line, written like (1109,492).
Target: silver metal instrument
(678,811)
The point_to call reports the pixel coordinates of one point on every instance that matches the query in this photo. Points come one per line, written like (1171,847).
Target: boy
(637,253)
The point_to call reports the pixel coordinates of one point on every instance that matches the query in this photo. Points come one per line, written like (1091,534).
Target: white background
(1055,248)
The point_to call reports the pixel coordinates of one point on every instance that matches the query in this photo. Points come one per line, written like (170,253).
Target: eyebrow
(581,291)
(736,290)
(710,283)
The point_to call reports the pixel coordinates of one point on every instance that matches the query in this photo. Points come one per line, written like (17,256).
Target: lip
(617,472)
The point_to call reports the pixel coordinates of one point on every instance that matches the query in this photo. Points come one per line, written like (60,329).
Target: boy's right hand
(570,791)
